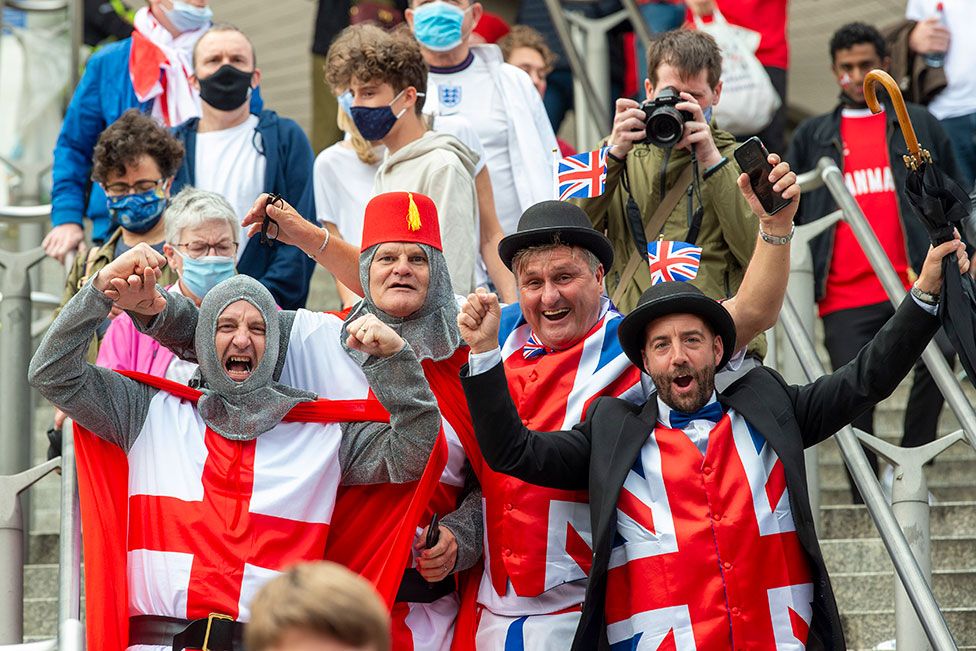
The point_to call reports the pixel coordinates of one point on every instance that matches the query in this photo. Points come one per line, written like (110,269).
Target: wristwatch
(925,297)
(776,240)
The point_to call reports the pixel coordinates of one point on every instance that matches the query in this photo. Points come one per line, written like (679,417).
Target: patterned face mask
(138,213)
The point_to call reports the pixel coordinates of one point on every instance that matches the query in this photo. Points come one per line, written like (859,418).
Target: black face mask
(226,89)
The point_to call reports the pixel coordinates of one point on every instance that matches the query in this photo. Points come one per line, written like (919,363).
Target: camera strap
(651,229)
(695,215)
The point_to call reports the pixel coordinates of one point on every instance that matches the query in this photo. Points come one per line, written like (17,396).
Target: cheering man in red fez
(406,286)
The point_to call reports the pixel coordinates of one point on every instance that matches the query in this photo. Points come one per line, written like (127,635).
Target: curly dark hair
(369,53)
(853,34)
(132,136)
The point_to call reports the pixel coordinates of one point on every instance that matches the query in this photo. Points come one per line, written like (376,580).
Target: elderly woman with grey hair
(201,247)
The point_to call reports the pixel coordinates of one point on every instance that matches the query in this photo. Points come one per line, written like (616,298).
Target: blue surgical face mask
(202,274)
(438,25)
(374,122)
(345,102)
(137,213)
(186,17)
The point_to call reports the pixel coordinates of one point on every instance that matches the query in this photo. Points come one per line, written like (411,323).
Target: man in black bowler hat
(560,352)
(702,533)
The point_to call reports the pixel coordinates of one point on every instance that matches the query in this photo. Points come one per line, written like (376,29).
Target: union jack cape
(379,551)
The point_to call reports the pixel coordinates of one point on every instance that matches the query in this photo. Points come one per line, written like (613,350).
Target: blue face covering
(374,122)
(438,25)
(186,17)
(345,102)
(202,274)
(137,213)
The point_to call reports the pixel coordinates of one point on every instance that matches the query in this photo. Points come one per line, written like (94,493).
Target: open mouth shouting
(555,315)
(239,367)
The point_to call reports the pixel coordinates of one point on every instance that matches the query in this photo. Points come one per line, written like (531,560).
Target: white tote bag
(748,100)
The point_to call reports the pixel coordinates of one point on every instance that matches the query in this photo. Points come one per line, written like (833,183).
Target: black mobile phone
(433,532)
(752,159)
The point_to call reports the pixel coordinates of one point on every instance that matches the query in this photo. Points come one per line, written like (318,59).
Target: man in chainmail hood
(406,286)
(234,478)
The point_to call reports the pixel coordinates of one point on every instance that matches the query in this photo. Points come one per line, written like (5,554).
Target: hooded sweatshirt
(441,167)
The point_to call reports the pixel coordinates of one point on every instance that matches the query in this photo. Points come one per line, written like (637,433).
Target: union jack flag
(673,261)
(582,176)
(534,348)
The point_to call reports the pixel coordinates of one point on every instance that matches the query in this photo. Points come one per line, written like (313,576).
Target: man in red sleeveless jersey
(868,149)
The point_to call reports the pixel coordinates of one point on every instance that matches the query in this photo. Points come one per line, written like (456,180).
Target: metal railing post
(15,347)
(596,113)
(938,367)
(69,553)
(910,503)
(907,567)
(12,549)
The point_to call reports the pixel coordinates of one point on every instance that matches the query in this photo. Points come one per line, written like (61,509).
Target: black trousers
(846,332)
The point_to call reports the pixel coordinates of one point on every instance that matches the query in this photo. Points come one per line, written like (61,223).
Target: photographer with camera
(670,174)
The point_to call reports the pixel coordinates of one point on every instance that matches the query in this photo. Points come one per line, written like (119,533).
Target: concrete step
(942,473)
(829,452)
(41,617)
(870,555)
(946,519)
(42,548)
(842,495)
(865,629)
(953,588)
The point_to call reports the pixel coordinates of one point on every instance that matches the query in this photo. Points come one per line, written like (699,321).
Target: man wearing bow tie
(701,530)
(560,352)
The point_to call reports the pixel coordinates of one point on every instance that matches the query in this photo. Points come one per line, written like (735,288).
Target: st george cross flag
(103,470)
(672,261)
(582,176)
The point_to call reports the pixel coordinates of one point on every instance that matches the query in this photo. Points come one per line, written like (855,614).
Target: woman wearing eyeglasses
(201,248)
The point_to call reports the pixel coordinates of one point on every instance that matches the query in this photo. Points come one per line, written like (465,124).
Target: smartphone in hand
(752,159)
(433,532)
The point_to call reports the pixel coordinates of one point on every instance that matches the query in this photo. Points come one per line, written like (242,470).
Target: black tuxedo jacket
(598,453)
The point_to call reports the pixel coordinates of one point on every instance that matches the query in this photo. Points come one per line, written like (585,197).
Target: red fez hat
(401,217)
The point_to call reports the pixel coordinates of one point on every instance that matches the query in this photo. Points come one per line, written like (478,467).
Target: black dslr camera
(664,124)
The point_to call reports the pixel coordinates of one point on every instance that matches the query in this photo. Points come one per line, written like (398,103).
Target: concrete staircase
(860,569)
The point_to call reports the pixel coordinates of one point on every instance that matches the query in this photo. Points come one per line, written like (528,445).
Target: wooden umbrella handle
(908,131)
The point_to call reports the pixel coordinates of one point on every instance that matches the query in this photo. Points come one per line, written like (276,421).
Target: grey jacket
(115,407)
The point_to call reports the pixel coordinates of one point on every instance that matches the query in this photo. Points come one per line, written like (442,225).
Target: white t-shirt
(959,97)
(228,163)
(471,93)
(343,186)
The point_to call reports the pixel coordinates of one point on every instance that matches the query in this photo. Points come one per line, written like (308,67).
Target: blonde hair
(363,148)
(321,599)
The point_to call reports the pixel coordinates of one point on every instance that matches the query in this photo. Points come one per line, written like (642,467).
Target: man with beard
(236,477)
(868,148)
(703,535)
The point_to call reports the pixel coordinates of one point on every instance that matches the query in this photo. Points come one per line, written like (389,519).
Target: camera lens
(664,126)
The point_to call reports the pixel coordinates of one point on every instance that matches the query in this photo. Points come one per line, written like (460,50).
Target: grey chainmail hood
(241,411)
(432,330)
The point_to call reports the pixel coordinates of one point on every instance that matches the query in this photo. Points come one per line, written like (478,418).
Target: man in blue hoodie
(149,71)
(239,152)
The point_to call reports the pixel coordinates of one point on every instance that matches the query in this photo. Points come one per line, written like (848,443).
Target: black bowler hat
(674,298)
(546,221)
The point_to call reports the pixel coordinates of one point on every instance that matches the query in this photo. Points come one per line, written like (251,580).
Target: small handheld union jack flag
(673,261)
(582,176)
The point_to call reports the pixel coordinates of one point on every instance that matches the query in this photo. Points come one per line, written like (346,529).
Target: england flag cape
(380,552)
(539,538)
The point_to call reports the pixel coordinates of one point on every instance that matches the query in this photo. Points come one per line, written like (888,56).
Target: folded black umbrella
(942,206)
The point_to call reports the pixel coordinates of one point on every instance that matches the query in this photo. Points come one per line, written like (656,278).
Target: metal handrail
(940,370)
(907,567)
(70,630)
(40,214)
